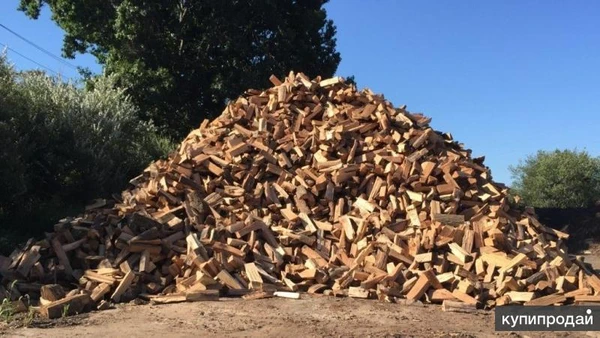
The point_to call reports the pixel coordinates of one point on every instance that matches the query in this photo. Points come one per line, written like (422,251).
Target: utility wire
(58,58)
(27,58)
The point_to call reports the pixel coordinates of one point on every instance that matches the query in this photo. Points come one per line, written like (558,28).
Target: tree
(182,59)
(558,179)
(63,145)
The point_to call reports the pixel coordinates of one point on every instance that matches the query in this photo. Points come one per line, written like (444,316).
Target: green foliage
(181,60)
(558,179)
(351,80)
(7,310)
(28,319)
(63,145)
(65,310)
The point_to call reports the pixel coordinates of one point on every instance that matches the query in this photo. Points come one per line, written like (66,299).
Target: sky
(44,33)
(505,77)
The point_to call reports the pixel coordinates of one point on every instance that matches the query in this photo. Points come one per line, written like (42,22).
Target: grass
(28,319)
(7,310)
(65,310)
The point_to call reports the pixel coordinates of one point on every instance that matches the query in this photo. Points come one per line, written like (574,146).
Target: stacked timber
(308,186)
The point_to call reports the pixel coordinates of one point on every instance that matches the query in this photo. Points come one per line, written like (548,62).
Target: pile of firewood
(308,186)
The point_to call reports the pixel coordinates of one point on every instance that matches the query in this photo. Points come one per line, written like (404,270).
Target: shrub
(63,144)
(558,179)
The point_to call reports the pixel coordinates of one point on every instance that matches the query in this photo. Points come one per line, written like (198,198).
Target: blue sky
(506,78)
(43,32)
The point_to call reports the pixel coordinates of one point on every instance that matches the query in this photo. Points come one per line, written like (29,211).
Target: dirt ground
(309,316)
(275,317)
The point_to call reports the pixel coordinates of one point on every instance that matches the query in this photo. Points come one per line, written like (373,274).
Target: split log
(453,306)
(308,186)
(66,307)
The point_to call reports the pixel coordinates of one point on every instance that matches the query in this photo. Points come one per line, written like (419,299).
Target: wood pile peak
(308,186)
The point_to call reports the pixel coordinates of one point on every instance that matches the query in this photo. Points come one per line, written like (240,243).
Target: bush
(63,144)
(558,179)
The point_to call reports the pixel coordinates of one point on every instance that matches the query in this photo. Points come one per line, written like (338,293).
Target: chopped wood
(438,295)
(103,305)
(314,186)
(518,259)
(459,252)
(62,256)
(123,286)
(289,295)
(587,298)
(168,299)
(464,297)
(424,257)
(99,292)
(422,284)
(454,306)
(227,279)
(517,296)
(253,275)
(202,295)
(52,292)
(98,277)
(317,288)
(258,295)
(69,306)
(448,219)
(28,260)
(547,300)
(356,292)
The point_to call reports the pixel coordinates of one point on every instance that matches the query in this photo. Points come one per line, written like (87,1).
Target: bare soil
(275,317)
(310,316)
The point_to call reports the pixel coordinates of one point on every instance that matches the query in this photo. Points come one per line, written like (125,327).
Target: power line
(27,58)
(58,58)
